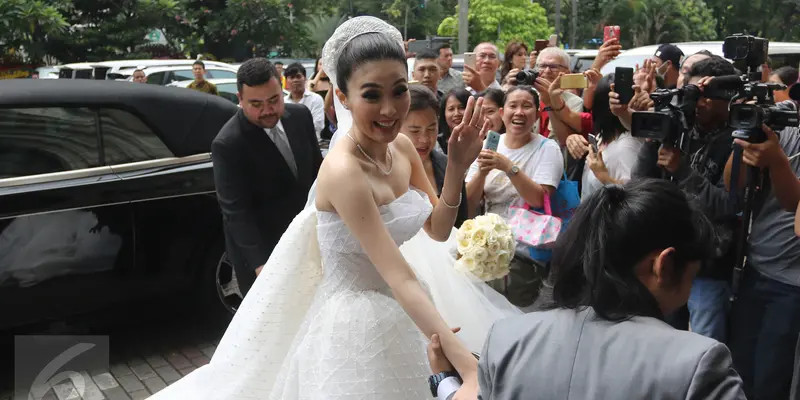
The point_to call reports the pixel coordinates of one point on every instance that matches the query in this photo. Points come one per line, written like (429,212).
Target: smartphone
(573,81)
(540,45)
(470,59)
(593,142)
(623,84)
(492,141)
(553,42)
(610,32)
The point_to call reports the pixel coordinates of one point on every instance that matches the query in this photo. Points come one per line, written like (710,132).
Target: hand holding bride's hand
(466,140)
(436,358)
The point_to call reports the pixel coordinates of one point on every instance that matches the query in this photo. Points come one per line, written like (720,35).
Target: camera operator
(765,318)
(698,168)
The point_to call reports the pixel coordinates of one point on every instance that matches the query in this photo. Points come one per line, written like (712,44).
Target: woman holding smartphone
(524,167)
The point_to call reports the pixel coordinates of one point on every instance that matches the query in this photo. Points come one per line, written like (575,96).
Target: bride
(354,329)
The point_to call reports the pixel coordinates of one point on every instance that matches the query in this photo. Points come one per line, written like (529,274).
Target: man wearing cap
(668,59)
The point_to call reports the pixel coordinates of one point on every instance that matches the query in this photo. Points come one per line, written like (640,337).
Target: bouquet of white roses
(485,247)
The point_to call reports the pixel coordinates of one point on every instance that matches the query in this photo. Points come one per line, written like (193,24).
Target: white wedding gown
(320,322)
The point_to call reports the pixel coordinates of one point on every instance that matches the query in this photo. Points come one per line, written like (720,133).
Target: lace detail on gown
(358,342)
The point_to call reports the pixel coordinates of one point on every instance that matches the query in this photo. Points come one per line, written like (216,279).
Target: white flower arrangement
(485,247)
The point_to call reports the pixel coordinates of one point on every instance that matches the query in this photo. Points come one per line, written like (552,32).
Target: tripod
(752,186)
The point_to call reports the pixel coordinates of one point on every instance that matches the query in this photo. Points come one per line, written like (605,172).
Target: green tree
(102,30)
(27,24)
(648,22)
(501,21)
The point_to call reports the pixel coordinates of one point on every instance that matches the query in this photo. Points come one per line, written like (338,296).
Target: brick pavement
(137,376)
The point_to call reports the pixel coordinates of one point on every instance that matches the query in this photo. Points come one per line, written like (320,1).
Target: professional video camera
(674,114)
(527,77)
(751,106)
(749,53)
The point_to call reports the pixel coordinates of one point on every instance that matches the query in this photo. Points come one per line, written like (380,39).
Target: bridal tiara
(348,31)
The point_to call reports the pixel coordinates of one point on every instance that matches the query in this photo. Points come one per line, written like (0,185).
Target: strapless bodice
(345,265)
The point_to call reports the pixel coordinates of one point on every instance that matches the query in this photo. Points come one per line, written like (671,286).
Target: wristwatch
(514,171)
(435,380)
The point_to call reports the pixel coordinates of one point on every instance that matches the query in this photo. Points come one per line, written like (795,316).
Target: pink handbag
(532,228)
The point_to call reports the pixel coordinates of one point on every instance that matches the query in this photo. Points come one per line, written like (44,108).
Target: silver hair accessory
(353,28)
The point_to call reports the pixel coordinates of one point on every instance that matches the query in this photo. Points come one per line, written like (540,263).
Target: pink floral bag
(534,229)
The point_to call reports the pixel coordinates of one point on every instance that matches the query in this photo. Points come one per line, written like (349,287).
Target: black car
(107,197)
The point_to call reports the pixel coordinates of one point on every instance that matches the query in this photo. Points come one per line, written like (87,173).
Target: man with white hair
(550,63)
(484,75)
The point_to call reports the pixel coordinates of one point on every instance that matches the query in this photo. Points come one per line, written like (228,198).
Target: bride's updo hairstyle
(363,49)
(595,259)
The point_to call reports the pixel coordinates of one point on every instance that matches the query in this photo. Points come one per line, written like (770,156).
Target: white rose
(463,245)
(467,227)
(492,238)
(479,237)
(493,248)
(479,254)
(503,258)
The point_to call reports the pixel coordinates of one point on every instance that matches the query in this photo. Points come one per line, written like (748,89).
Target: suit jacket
(574,355)
(257,192)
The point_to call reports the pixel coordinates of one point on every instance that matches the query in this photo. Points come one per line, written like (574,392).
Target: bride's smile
(381,102)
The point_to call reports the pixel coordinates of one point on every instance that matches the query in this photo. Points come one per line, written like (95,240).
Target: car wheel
(226,284)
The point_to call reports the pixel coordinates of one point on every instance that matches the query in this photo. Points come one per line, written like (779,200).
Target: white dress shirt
(316,104)
(278,136)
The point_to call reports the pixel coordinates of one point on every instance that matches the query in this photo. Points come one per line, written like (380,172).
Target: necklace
(388,156)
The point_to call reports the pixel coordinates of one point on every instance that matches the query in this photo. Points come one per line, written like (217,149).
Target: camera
(674,114)
(527,77)
(747,119)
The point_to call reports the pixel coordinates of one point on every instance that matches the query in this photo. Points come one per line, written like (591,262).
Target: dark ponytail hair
(363,49)
(594,261)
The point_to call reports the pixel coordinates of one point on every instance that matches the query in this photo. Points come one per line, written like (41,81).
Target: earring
(345,106)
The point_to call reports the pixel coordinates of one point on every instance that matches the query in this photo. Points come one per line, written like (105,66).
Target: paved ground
(146,356)
(136,377)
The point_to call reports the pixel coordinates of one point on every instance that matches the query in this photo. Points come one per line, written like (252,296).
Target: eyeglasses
(487,56)
(552,67)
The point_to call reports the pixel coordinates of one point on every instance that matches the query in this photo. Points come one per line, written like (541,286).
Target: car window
(222,74)
(156,78)
(583,64)
(228,91)
(127,139)
(182,75)
(45,140)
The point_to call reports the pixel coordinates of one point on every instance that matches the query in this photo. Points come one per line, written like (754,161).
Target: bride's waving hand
(466,141)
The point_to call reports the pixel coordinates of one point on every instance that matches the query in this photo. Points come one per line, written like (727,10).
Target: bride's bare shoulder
(341,174)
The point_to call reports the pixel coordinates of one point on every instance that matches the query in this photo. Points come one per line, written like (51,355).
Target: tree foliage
(501,21)
(27,24)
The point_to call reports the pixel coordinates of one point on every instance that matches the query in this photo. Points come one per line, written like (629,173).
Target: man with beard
(295,75)
(265,160)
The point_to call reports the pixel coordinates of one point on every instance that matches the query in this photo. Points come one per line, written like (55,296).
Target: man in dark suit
(265,160)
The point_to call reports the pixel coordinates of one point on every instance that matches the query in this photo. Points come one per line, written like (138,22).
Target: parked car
(107,197)
(165,75)
(779,52)
(581,60)
(122,69)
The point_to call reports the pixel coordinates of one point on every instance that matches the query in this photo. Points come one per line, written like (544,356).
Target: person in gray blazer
(627,258)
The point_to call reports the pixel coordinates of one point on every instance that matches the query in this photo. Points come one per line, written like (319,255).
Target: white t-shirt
(620,157)
(540,160)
